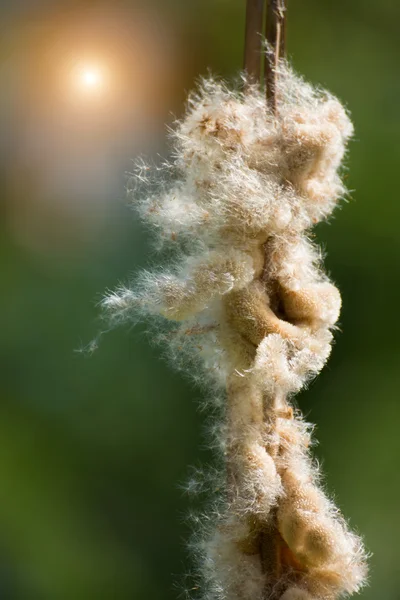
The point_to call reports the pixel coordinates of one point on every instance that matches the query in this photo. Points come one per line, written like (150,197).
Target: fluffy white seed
(250,310)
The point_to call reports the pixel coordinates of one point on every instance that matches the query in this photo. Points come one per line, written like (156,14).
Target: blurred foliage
(93,449)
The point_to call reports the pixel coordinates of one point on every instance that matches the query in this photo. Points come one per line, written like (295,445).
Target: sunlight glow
(91,78)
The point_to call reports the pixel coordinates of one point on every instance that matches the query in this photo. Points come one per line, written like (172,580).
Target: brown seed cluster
(248,301)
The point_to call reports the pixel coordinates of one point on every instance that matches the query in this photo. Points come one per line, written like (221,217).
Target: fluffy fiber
(247,299)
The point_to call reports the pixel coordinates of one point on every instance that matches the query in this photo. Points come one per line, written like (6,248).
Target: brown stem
(253,41)
(275,35)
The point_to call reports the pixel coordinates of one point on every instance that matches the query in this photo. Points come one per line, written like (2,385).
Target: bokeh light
(89,99)
(91,78)
(89,81)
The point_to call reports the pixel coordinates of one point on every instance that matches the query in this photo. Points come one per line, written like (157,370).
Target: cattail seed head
(247,307)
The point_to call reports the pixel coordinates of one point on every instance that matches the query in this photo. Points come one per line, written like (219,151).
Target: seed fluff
(246,306)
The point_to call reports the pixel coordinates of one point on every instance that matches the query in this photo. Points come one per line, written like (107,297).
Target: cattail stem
(275,34)
(253,40)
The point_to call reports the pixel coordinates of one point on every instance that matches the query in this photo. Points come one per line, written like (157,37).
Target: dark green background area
(94,449)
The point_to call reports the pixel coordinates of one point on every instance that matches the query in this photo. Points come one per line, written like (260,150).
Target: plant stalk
(275,34)
(253,39)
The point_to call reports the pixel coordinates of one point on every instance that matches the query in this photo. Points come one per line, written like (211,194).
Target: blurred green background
(93,449)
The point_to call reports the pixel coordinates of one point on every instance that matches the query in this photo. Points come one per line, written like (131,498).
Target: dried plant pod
(247,301)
